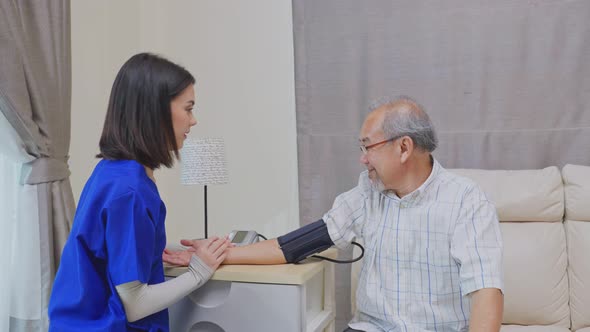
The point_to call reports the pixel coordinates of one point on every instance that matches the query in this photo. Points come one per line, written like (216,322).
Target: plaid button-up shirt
(424,253)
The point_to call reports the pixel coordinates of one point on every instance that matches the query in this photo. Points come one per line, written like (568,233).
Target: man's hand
(178,257)
(195,243)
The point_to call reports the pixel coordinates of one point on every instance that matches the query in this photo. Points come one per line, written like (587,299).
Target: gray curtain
(35,87)
(507,84)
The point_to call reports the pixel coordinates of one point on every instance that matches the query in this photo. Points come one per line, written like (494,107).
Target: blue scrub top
(117,237)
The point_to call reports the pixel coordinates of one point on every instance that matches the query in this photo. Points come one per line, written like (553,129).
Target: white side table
(289,297)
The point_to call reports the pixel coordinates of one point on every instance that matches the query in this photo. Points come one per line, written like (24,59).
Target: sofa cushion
(578,239)
(517,328)
(586,329)
(535,278)
(522,195)
(577,225)
(530,204)
(577,192)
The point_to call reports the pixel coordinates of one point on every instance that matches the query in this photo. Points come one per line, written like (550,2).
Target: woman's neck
(150,173)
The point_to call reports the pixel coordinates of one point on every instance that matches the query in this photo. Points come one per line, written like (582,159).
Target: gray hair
(414,123)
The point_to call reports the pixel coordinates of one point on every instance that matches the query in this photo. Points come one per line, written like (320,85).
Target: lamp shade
(203,161)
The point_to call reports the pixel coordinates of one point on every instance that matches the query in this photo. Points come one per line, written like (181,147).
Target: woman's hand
(211,251)
(183,257)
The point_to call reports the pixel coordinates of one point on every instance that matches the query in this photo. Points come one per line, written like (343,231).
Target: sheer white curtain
(20,278)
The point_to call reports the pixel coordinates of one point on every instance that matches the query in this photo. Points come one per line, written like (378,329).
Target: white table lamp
(203,163)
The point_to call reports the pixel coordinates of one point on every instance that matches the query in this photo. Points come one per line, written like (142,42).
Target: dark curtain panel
(35,87)
(507,84)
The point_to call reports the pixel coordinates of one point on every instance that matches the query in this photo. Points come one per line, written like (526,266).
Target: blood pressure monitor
(242,238)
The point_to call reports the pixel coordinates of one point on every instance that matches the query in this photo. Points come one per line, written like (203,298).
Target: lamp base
(206,233)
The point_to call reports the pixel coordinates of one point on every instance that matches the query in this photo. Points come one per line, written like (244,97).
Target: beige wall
(241,53)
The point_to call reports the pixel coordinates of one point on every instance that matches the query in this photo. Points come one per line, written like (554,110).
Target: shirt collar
(414,195)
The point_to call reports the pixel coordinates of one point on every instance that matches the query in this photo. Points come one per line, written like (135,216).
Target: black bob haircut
(138,124)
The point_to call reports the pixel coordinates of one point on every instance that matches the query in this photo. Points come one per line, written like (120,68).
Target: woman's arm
(141,300)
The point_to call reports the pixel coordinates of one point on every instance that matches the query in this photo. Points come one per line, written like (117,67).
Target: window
(20,280)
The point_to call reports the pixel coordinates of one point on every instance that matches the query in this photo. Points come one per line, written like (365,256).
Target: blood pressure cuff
(305,241)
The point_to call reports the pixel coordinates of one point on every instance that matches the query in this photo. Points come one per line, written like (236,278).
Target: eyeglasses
(365,148)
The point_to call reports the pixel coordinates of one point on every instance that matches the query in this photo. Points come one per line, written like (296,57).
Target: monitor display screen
(239,237)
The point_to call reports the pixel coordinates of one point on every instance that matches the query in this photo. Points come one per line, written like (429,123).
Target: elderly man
(433,257)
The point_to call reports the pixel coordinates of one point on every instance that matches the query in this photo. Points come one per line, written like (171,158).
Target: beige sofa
(545,222)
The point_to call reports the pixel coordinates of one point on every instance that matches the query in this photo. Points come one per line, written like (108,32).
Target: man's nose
(363,159)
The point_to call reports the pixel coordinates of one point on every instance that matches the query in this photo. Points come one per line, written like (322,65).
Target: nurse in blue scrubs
(111,275)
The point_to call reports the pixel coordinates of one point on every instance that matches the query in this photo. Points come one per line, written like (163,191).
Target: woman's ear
(406,145)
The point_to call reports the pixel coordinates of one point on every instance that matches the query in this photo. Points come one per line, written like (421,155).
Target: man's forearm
(486,310)
(263,253)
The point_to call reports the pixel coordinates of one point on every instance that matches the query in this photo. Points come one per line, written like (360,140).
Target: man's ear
(406,148)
